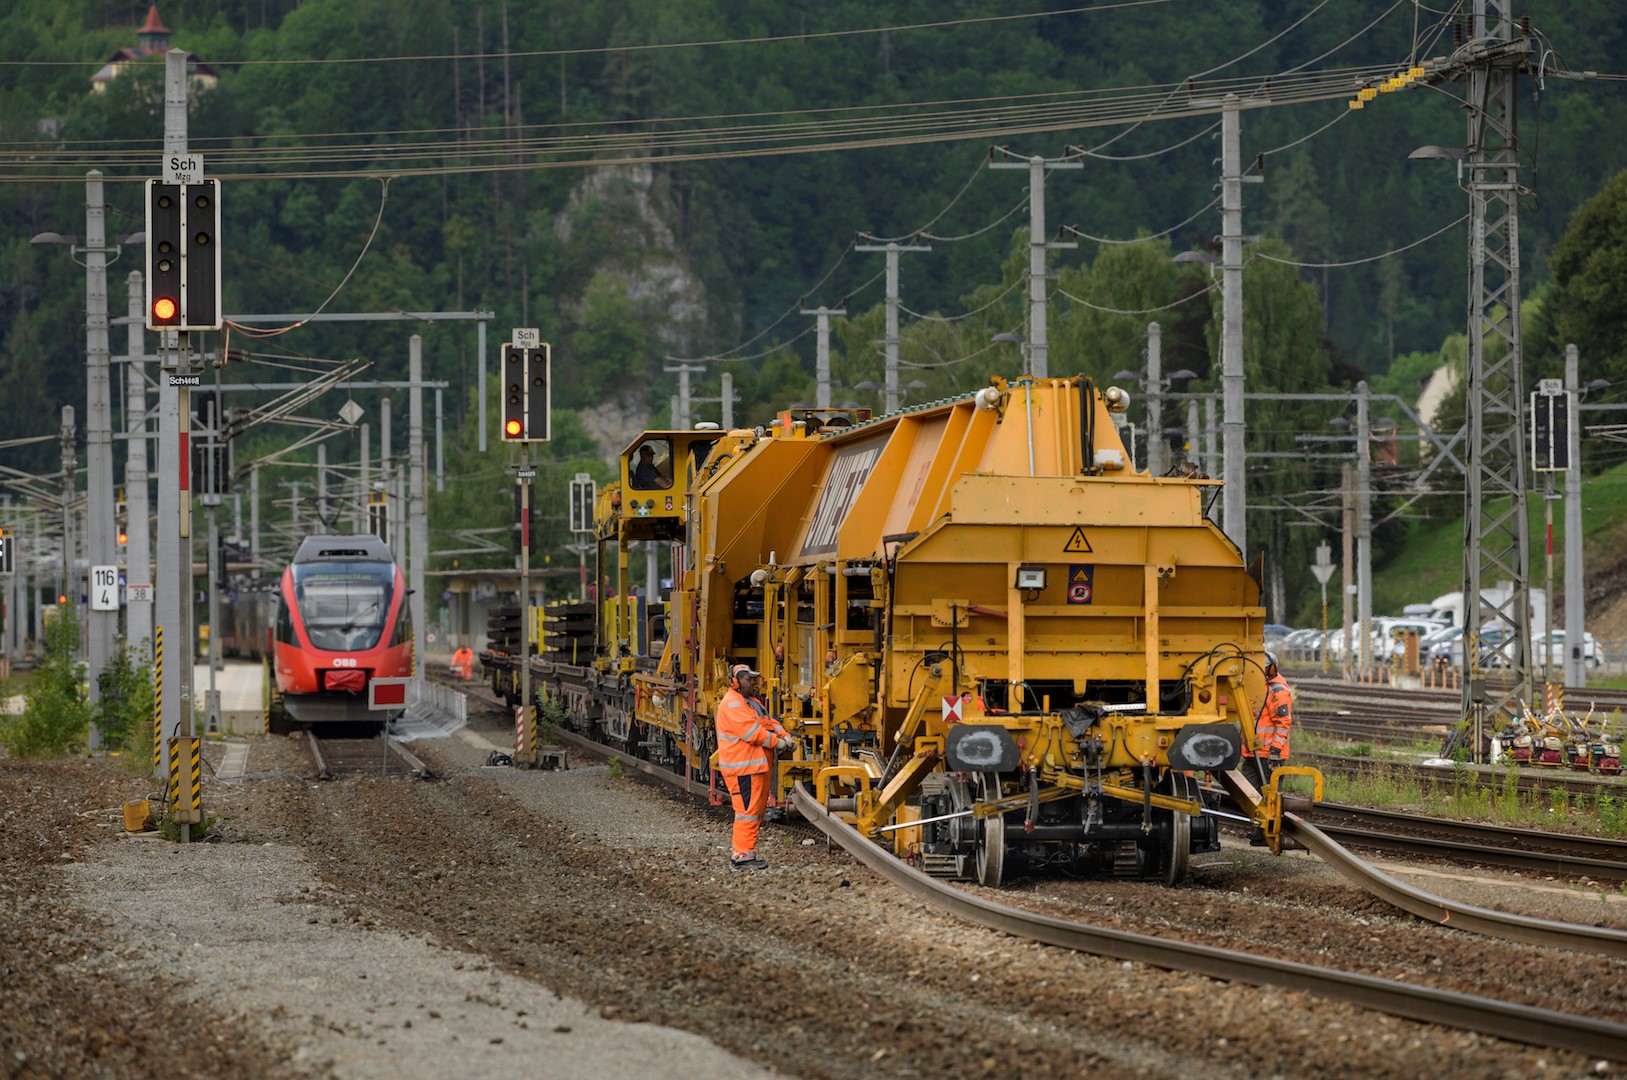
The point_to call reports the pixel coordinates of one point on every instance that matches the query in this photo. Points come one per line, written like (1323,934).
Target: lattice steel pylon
(1497,542)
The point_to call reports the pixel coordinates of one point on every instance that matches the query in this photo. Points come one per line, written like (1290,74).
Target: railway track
(1599,699)
(1529,780)
(1563,854)
(378,755)
(1522,1023)
(1509,1020)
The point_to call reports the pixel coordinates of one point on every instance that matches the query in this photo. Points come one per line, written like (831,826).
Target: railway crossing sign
(104,588)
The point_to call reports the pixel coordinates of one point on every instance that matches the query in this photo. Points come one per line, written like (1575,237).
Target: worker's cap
(742,669)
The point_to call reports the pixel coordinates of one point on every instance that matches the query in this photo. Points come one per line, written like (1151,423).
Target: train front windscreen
(344,605)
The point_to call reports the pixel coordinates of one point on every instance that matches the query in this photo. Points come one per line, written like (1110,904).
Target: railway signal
(183,255)
(538,403)
(7,543)
(513,393)
(378,515)
(583,495)
(527,404)
(163,255)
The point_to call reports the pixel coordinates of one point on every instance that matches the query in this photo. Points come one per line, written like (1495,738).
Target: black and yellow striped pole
(186,809)
(158,698)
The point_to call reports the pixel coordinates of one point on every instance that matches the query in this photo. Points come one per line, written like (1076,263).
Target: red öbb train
(342,620)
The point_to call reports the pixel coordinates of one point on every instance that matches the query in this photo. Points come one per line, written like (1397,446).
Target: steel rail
(1469,1012)
(1530,778)
(336,756)
(1437,909)
(323,772)
(1565,865)
(1425,905)
(1563,848)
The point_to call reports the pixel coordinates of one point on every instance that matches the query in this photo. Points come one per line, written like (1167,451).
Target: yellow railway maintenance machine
(998,642)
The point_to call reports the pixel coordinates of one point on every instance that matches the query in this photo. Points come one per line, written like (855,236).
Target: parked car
(1387,631)
(1444,644)
(1304,644)
(1592,652)
(1275,634)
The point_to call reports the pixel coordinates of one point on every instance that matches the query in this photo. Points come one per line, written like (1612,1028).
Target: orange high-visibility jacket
(1276,717)
(744,737)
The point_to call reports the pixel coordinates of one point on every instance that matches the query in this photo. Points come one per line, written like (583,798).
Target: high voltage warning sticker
(1077,542)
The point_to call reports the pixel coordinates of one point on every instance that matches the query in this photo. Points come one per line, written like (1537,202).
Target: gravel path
(481,896)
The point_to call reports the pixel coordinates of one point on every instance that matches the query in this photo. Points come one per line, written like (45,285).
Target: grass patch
(1379,785)
(1468,796)
(1431,564)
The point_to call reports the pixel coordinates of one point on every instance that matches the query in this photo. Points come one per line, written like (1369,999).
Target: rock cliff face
(628,211)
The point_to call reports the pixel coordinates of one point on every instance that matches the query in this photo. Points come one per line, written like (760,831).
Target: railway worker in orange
(463,663)
(746,736)
(1272,725)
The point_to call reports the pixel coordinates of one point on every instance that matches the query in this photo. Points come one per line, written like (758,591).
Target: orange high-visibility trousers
(748,794)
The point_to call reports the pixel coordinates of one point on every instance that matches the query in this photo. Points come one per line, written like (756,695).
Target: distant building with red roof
(152,40)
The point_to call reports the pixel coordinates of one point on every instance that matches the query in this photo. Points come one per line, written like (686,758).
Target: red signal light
(124,538)
(164,308)
(513,429)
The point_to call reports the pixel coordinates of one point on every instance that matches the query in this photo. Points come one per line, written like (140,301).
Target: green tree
(1589,265)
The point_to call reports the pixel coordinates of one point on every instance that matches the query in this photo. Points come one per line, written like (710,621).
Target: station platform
(241,684)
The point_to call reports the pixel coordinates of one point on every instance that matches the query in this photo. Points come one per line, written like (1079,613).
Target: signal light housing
(183,255)
(513,393)
(527,405)
(538,403)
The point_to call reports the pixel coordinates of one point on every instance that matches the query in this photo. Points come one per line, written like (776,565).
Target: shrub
(55,717)
(127,700)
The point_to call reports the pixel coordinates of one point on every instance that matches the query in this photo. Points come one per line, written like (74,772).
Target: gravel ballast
(495,904)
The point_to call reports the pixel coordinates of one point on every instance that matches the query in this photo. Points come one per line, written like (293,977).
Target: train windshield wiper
(355,620)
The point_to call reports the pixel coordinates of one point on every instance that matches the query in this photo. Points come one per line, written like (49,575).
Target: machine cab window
(649,467)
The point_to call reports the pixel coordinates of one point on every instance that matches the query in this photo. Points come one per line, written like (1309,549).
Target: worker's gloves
(789,745)
(1274,754)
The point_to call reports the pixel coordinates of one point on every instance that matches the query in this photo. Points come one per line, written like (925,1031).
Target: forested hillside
(484,106)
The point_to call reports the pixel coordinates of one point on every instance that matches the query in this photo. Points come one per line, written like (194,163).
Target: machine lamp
(1031,578)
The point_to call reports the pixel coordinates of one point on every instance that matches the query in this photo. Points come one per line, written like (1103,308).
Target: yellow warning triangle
(1077,542)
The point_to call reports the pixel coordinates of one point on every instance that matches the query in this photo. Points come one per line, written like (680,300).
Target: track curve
(1521,1023)
(1589,939)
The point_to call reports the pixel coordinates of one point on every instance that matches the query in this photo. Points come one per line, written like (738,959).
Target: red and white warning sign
(389,694)
(951,708)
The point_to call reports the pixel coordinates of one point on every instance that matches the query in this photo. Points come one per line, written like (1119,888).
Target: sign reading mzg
(848,471)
